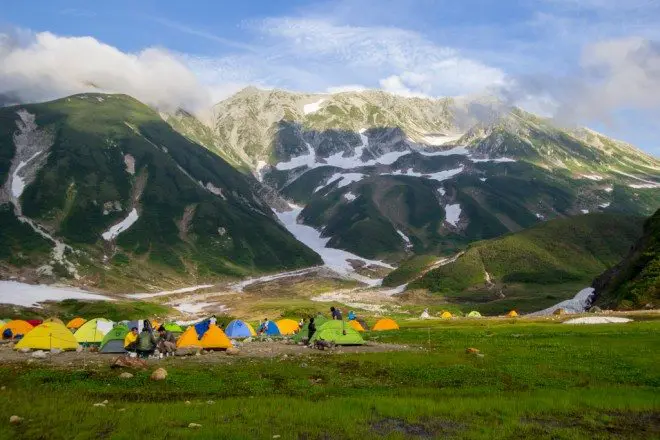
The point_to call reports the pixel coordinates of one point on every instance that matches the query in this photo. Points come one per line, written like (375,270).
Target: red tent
(35,322)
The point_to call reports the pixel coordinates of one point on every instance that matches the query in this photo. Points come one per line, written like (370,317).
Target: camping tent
(239,329)
(385,324)
(446,315)
(76,323)
(287,326)
(155,324)
(57,320)
(356,326)
(559,312)
(17,327)
(319,320)
(512,314)
(113,342)
(474,314)
(173,328)
(273,330)
(48,336)
(34,322)
(189,338)
(215,339)
(93,331)
(338,332)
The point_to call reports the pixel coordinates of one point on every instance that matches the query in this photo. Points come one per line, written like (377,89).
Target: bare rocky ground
(251,350)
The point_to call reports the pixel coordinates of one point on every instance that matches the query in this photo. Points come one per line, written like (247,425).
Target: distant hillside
(635,281)
(560,251)
(115,197)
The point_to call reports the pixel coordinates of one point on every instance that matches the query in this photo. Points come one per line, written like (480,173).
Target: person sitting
(145,345)
(166,342)
(351,315)
(336,314)
(311,329)
(263,328)
(7,334)
(130,339)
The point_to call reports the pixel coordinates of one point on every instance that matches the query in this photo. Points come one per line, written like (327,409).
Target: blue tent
(202,327)
(238,329)
(273,329)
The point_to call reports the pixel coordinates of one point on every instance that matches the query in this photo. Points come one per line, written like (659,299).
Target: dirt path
(252,350)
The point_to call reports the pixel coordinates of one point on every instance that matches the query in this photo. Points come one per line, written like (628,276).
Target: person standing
(213,320)
(311,329)
(336,314)
(263,328)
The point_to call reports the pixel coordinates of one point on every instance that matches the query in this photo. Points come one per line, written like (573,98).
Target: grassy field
(535,380)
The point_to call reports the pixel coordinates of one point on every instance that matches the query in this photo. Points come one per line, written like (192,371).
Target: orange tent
(356,325)
(76,323)
(287,326)
(189,338)
(215,339)
(17,327)
(385,324)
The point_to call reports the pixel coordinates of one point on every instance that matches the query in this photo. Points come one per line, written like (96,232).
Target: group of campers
(146,342)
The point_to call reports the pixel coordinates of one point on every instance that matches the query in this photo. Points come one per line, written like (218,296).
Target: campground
(530,379)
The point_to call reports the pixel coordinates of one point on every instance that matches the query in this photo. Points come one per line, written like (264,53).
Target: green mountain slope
(89,162)
(635,281)
(561,251)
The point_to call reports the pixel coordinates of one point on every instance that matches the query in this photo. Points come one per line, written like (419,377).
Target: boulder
(128,362)
(15,420)
(191,351)
(159,374)
(126,375)
(55,351)
(233,351)
(24,350)
(194,425)
(39,354)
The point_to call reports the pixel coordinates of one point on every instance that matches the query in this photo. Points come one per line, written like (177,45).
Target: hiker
(263,328)
(166,342)
(351,316)
(336,314)
(130,339)
(7,334)
(145,345)
(301,323)
(213,320)
(425,314)
(311,329)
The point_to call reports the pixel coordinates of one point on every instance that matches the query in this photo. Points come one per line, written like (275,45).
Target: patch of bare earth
(425,428)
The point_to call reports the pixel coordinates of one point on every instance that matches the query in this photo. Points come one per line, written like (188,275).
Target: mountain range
(104,188)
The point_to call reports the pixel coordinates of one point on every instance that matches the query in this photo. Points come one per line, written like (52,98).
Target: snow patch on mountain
(18,184)
(439,176)
(605,205)
(28,295)
(308,160)
(453,214)
(335,259)
(441,139)
(460,150)
(120,227)
(577,304)
(406,241)
(313,107)
(343,178)
(350,196)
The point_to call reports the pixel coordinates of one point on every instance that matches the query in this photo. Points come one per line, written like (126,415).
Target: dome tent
(385,324)
(215,339)
(113,342)
(189,339)
(273,329)
(48,336)
(287,326)
(17,327)
(239,329)
(474,314)
(53,319)
(173,327)
(512,314)
(446,315)
(75,323)
(337,332)
(356,326)
(93,331)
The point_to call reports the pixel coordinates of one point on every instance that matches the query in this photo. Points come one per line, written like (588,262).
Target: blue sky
(588,62)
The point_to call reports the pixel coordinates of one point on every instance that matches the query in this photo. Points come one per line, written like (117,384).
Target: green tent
(338,332)
(474,314)
(319,320)
(174,328)
(113,342)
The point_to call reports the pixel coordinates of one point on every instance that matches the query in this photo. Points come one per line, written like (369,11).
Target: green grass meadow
(539,380)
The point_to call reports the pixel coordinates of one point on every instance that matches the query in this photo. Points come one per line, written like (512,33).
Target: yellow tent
(356,325)
(446,315)
(512,314)
(47,336)
(17,327)
(76,323)
(287,326)
(215,339)
(93,331)
(385,324)
(189,338)
(57,320)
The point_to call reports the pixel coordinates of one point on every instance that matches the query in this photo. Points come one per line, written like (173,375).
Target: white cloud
(47,66)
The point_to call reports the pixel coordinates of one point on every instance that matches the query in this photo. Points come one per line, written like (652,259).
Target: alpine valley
(104,192)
